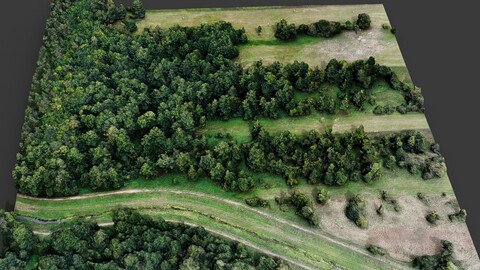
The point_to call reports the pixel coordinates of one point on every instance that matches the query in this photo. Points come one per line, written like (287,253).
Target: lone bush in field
(323,196)
(355,211)
(376,250)
(433,217)
(460,216)
(363,21)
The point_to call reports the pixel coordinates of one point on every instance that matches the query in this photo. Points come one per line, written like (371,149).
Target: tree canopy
(133,242)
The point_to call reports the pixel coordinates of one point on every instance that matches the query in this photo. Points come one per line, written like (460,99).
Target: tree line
(134,242)
(323,28)
(107,106)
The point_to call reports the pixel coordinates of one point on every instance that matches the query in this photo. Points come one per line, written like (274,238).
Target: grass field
(373,124)
(350,46)
(226,211)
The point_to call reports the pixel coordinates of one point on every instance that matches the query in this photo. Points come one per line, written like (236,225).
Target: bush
(323,196)
(256,201)
(303,29)
(285,31)
(363,21)
(386,26)
(130,25)
(137,9)
(379,110)
(403,109)
(362,222)
(437,261)
(433,217)
(380,210)
(376,250)
(355,211)
(389,109)
(460,216)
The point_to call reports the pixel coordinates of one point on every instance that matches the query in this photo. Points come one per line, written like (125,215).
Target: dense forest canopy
(133,242)
(107,106)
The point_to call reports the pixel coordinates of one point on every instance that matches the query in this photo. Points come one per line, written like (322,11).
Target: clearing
(376,42)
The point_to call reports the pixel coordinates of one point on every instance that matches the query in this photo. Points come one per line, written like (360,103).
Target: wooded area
(108,106)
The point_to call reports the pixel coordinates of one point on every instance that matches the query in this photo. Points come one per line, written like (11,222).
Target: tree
(217,173)
(256,158)
(259,30)
(285,31)
(323,196)
(130,25)
(137,9)
(363,21)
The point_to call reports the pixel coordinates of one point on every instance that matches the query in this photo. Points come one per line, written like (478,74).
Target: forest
(108,106)
(134,242)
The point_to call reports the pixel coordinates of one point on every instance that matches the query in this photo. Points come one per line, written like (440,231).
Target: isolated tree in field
(137,9)
(259,30)
(363,21)
(285,31)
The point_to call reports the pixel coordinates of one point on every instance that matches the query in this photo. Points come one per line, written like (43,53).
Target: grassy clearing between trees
(315,51)
(240,130)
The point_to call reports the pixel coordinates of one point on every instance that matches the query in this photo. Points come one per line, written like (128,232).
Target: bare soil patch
(406,234)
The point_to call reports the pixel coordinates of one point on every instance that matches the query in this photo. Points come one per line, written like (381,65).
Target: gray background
(437,39)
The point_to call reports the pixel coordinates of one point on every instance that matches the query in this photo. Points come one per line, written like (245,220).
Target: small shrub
(363,21)
(285,31)
(355,211)
(389,109)
(422,197)
(379,110)
(386,26)
(130,25)
(376,250)
(380,210)
(362,222)
(323,196)
(460,216)
(402,109)
(433,217)
(256,201)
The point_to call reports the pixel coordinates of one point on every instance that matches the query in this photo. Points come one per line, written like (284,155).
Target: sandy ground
(406,234)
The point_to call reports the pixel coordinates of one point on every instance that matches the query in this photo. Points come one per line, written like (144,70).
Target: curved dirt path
(313,232)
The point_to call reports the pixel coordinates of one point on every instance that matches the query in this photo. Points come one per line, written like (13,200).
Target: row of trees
(323,28)
(332,160)
(134,242)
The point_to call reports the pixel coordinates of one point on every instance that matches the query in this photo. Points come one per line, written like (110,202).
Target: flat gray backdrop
(437,39)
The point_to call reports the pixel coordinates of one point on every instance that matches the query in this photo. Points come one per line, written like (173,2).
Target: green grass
(300,40)
(240,130)
(211,213)
(251,17)
(314,51)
